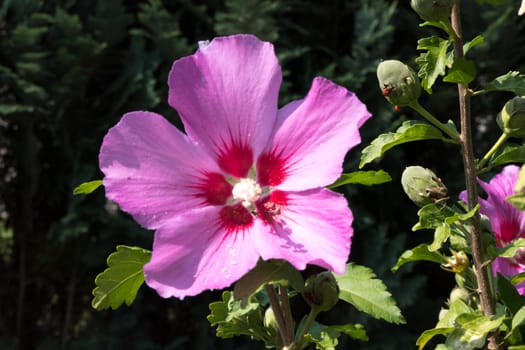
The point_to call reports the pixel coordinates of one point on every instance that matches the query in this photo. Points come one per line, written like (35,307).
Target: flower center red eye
(236,160)
(214,189)
(235,218)
(271,169)
(270,207)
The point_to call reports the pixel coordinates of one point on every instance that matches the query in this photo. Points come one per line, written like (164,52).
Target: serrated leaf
(120,282)
(360,287)
(354,331)
(509,154)
(234,317)
(473,331)
(427,335)
(367,178)
(87,187)
(513,81)
(419,253)
(433,62)
(462,71)
(270,271)
(408,132)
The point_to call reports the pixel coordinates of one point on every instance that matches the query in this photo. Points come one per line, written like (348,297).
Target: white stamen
(246,190)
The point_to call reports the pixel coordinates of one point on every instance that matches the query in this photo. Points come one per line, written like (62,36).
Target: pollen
(247,191)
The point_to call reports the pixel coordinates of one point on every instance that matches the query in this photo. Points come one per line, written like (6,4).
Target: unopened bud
(269,320)
(398,83)
(459,294)
(433,10)
(422,186)
(321,291)
(511,119)
(456,263)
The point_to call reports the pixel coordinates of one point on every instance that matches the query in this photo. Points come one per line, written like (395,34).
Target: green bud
(433,10)
(321,291)
(457,262)
(459,294)
(270,323)
(422,186)
(467,279)
(511,119)
(398,83)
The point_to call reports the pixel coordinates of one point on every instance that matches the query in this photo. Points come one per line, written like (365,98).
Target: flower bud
(511,119)
(422,186)
(433,10)
(456,263)
(398,83)
(321,291)
(269,320)
(459,294)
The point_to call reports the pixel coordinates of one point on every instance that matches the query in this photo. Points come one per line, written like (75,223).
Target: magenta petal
(313,227)
(313,136)
(191,253)
(151,169)
(226,94)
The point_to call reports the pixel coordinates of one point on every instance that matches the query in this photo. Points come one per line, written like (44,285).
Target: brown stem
(278,313)
(484,289)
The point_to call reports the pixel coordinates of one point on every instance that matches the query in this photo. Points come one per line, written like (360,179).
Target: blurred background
(69,70)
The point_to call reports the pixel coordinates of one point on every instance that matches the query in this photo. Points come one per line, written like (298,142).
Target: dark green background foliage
(68,71)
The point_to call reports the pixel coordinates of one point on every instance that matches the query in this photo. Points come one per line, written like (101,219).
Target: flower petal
(508,223)
(152,170)
(226,94)
(507,268)
(193,253)
(309,227)
(312,138)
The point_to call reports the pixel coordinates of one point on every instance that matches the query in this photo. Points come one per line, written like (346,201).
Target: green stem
(434,121)
(280,317)
(314,311)
(491,151)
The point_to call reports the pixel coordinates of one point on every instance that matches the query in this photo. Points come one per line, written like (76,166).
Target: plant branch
(428,116)
(491,151)
(484,290)
(278,312)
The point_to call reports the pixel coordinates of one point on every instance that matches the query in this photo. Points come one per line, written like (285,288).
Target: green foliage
(326,337)
(234,317)
(87,187)
(360,287)
(462,71)
(511,153)
(419,253)
(120,282)
(267,272)
(408,132)
(367,178)
(512,81)
(433,61)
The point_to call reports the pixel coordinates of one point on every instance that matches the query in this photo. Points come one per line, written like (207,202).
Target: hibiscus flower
(507,222)
(246,180)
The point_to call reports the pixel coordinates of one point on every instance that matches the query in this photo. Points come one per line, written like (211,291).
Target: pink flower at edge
(247,179)
(507,222)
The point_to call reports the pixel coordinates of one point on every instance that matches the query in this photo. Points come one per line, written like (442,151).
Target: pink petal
(309,227)
(193,253)
(312,138)
(507,268)
(153,171)
(226,94)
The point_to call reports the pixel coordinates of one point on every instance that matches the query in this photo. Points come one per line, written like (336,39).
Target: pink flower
(507,222)
(247,179)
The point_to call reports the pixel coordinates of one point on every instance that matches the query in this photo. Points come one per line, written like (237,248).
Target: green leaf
(410,131)
(509,295)
(517,200)
(354,331)
(419,253)
(360,287)
(367,178)
(519,318)
(517,279)
(87,187)
(473,331)
(425,337)
(270,271)
(512,81)
(120,282)
(234,317)
(441,234)
(509,250)
(433,62)
(511,153)
(478,40)
(462,71)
